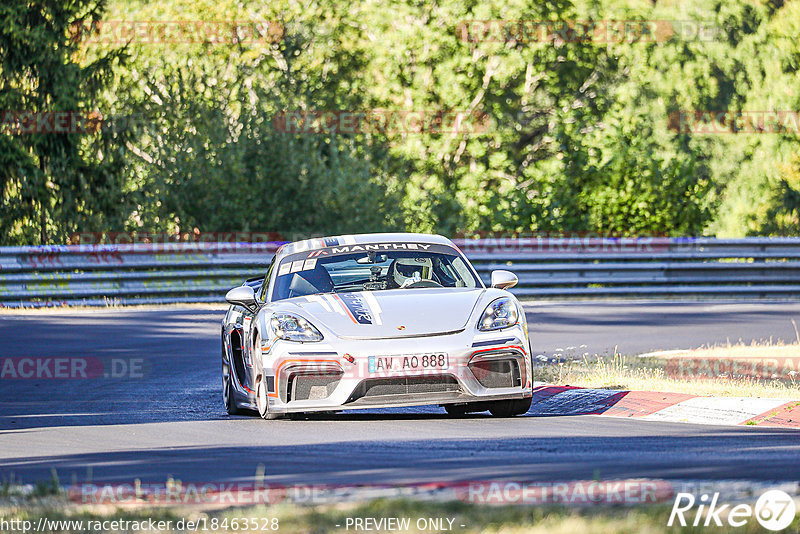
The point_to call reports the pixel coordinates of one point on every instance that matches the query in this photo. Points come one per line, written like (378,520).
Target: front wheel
(227,396)
(510,408)
(456,410)
(460,410)
(262,401)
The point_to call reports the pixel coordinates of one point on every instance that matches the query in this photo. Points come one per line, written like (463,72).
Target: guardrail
(547,267)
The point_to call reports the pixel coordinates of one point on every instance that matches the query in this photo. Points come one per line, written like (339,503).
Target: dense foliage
(569,134)
(54,184)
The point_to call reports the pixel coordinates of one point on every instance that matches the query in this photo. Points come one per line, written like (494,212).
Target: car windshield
(341,270)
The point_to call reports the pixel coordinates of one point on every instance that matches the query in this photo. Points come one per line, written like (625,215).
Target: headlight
(501,313)
(293,328)
(523,321)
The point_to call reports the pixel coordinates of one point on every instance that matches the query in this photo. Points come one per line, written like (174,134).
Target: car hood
(390,314)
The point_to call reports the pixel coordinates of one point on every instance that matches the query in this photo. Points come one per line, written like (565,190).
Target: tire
(460,410)
(455,410)
(510,408)
(530,359)
(262,399)
(227,396)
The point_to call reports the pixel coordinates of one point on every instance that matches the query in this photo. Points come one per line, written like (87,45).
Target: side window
(265,286)
(444,272)
(464,272)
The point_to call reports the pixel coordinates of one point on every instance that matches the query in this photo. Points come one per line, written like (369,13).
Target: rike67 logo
(774,510)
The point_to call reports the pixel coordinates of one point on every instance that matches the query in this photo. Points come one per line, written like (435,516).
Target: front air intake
(311,386)
(497,373)
(381,387)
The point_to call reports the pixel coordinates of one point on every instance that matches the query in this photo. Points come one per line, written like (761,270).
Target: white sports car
(375,320)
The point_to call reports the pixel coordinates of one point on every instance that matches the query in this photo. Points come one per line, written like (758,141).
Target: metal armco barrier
(547,267)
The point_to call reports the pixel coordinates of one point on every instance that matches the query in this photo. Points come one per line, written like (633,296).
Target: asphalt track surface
(170,421)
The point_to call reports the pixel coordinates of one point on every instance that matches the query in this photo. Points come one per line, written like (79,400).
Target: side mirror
(242,296)
(504,279)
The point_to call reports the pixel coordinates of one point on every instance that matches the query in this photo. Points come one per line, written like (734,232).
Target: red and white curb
(669,407)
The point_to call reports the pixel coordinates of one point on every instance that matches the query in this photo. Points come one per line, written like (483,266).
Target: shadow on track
(714,454)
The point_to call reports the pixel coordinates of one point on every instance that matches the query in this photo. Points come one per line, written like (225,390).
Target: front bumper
(311,377)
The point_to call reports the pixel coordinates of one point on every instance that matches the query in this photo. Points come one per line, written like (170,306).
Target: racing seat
(311,282)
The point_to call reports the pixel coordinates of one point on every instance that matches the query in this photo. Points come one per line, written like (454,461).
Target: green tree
(52,184)
(211,158)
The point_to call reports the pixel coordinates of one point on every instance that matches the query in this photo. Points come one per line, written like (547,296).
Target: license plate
(409,362)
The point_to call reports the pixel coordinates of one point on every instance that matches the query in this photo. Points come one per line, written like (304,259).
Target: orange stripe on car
(345,308)
(495,349)
(278,370)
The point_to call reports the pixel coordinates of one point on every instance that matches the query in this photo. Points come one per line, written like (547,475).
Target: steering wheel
(420,283)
